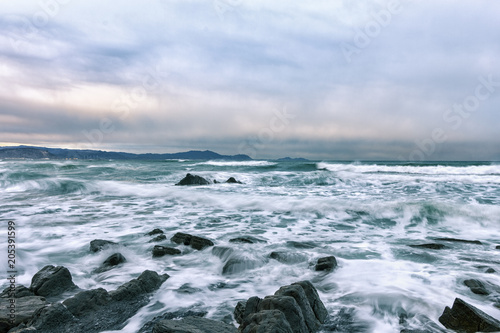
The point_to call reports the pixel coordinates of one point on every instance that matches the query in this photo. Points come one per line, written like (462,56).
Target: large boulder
(463,317)
(193,325)
(197,243)
(15,311)
(294,308)
(193,180)
(100,244)
(52,281)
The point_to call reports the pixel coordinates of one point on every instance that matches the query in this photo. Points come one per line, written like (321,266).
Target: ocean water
(365,214)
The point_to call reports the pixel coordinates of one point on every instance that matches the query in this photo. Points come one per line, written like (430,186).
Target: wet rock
(317,305)
(301,245)
(222,252)
(476,286)
(148,327)
(236,265)
(187,289)
(100,244)
(147,282)
(287,257)
(23,308)
(298,293)
(87,301)
(247,240)
(111,262)
(18,292)
(497,247)
(222,285)
(266,321)
(193,325)
(155,232)
(52,319)
(457,240)
(327,264)
(197,243)
(431,246)
(490,270)
(193,180)
(231,180)
(463,317)
(52,281)
(239,311)
(160,251)
(158,239)
(290,309)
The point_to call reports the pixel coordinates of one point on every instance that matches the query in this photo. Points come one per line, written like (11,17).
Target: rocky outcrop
(111,262)
(197,243)
(327,264)
(100,244)
(160,251)
(430,246)
(294,308)
(193,325)
(463,317)
(52,281)
(193,180)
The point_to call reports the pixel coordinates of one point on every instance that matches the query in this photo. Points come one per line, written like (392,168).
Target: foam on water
(364,214)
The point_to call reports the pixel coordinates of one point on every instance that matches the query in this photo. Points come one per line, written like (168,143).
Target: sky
(337,80)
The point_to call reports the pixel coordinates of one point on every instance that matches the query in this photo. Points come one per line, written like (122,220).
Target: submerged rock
(232,180)
(160,251)
(476,286)
(463,317)
(457,240)
(197,243)
(155,232)
(287,257)
(497,247)
(431,246)
(326,264)
(193,325)
(158,239)
(301,245)
(100,244)
(193,180)
(112,261)
(238,264)
(247,240)
(52,281)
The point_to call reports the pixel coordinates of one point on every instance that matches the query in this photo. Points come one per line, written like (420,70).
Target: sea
(366,214)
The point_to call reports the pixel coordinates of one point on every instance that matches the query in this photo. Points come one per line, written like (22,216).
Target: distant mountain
(59,153)
(290,159)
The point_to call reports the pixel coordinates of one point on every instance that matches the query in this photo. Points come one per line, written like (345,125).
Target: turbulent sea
(364,214)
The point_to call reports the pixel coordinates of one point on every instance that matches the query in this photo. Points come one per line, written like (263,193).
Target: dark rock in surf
(193,180)
(476,286)
(327,264)
(237,264)
(148,327)
(52,281)
(463,317)
(87,301)
(287,257)
(187,289)
(222,252)
(232,180)
(301,245)
(155,232)
(100,244)
(160,251)
(247,240)
(197,243)
(497,247)
(193,325)
(457,240)
(294,308)
(430,246)
(158,239)
(25,308)
(111,262)
(490,270)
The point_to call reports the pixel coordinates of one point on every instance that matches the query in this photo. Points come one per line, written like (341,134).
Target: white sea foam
(238,163)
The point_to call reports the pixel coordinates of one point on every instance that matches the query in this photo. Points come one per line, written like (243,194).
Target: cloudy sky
(356,80)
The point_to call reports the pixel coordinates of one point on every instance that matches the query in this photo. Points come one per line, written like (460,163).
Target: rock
(24,309)
(490,270)
(456,240)
(155,232)
(195,242)
(464,317)
(100,244)
(236,265)
(326,264)
(231,180)
(148,327)
(112,261)
(187,289)
(290,309)
(431,246)
(160,251)
(317,305)
(222,252)
(247,240)
(301,245)
(266,321)
(158,239)
(147,282)
(52,319)
(239,311)
(193,325)
(497,247)
(298,293)
(476,286)
(52,281)
(287,258)
(18,292)
(193,180)
(87,301)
